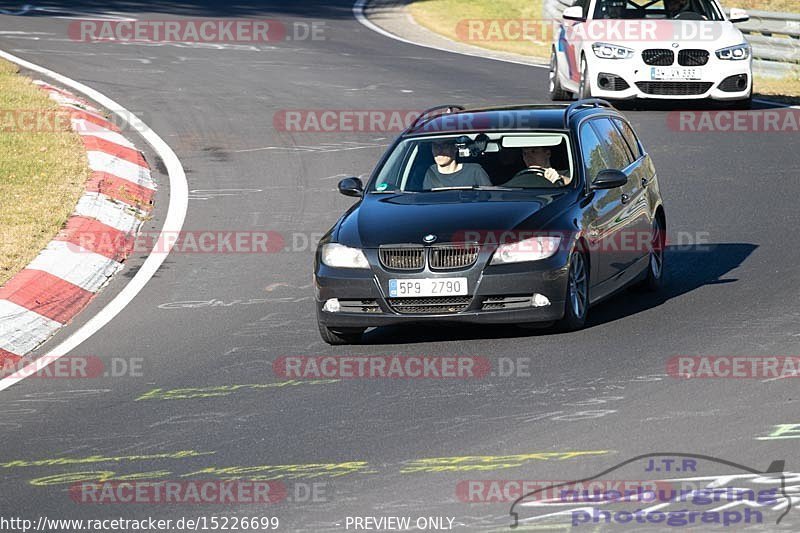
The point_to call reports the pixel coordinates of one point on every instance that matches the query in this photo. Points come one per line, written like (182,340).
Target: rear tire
(340,336)
(576,304)
(557,93)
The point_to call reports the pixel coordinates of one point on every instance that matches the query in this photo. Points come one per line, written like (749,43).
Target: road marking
(223,390)
(358,13)
(62,461)
(173,222)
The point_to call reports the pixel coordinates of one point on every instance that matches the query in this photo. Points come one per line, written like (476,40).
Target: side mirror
(351,187)
(574,13)
(738,15)
(609,179)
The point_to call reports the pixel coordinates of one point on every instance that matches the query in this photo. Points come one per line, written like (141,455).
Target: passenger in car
(448,172)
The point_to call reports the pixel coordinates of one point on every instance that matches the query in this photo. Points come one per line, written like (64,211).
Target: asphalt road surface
(388,447)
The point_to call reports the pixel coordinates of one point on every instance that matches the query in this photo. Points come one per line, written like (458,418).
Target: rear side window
(630,138)
(617,153)
(594,157)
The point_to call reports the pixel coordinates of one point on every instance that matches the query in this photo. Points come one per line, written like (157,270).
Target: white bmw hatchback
(651,49)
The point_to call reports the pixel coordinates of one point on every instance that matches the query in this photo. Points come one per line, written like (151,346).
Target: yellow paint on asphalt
(469,463)
(224,390)
(268,472)
(58,461)
(96,476)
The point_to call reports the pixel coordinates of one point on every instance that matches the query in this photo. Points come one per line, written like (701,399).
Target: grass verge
(42,171)
(443,17)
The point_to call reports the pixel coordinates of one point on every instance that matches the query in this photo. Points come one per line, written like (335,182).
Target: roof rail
(423,118)
(586,102)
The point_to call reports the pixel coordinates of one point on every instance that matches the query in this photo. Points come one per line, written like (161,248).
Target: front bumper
(486,286)
(717,80)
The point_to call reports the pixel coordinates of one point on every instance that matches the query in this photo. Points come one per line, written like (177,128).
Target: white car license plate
(400,288)
(674,73)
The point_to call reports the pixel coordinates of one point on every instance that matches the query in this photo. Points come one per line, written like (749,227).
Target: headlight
(532,249)
(611,51)
(341,256)
(735,53)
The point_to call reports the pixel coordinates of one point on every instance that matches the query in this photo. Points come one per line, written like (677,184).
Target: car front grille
(674,88)
(430,306)
(692,58)
(359,306)
(453,256)
(660,57)
(402,257)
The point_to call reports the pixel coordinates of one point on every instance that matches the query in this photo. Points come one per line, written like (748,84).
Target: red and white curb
(71,270)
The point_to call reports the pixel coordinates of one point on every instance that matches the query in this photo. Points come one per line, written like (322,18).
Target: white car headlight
(734,53)
(532,249)
(341,256)
(611,51)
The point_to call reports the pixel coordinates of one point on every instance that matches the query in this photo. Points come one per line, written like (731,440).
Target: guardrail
(775,38)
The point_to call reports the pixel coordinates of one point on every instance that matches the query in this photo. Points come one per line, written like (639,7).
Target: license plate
(674,73)
(400,288)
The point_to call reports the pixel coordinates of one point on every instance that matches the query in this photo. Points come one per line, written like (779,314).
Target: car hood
(407,218)
(704,34)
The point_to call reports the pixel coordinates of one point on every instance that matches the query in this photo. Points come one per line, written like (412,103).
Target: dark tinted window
(594,158)
(630,137)
(617,153)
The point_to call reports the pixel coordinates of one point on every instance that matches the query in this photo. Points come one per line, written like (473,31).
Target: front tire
(655,266)
(557,93)
(585,87)
(576,304)
(340,336)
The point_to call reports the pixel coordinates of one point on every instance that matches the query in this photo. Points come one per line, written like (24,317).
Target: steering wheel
(537,173)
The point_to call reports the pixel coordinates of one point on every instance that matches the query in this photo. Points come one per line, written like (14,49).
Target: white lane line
(79,266)
(22,330)
(176,213)
(358,13)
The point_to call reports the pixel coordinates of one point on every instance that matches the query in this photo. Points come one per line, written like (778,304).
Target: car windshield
(495,160)
(658,9)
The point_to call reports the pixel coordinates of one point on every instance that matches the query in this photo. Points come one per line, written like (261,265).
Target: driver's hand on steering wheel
(550,174)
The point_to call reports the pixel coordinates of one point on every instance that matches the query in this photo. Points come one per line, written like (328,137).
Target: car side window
(630,138)
(616,149)
(593,154)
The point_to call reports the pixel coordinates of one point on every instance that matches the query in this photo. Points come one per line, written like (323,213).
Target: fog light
(332,306)
(539,300)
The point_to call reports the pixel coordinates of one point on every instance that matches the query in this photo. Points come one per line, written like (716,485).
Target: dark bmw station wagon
(524,215)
